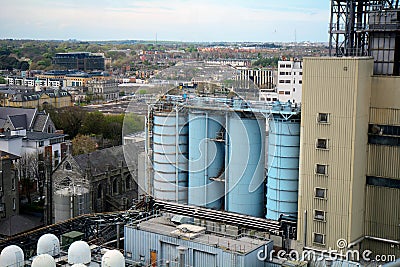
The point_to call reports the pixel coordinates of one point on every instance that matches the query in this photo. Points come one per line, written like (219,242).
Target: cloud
(188,20)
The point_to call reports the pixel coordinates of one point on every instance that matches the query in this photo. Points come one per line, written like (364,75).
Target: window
(115,187)
(41,143)
(321,169)
(68,166)
(287,81)
(319,215)
(56,154)
(14,204)
(320,192)
(128,182)
(322,143)
(281,81)
(319,238)
(287,92)
(281,92)
(294,89)
(323,117)
(300,73)
(13,183)
(99,191)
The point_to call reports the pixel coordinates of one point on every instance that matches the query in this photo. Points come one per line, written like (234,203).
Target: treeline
(266,62)
(103,130)
(8,60)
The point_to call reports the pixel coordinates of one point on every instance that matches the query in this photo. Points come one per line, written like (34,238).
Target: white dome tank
(43,260)
(79,252)
(113,258)
(48,244)
(12,256)
(79,265)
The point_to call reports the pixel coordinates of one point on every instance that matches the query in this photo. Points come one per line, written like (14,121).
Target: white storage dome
(79,252)
(12,256)
(113,258)
(43,260)
(79,265)
(48,244)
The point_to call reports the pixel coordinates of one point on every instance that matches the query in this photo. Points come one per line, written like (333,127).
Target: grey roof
(99,161)
(19,121)
(40,122)
(8,136)
(8,111)
(38,136)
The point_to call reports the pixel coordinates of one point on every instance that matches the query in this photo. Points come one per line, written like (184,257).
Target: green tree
(2,80)
(133,123)
(68,119)
(93,123)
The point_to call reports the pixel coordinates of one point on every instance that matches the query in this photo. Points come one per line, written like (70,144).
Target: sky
(170,20)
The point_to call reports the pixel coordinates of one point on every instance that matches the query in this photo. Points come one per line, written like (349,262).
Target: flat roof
(242,245)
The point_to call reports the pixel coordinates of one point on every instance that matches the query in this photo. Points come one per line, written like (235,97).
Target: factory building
(158,242)
(349,156)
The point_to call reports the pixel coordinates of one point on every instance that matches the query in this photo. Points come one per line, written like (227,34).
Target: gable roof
(30,113)
(19,121)
(99,161)
(40,122)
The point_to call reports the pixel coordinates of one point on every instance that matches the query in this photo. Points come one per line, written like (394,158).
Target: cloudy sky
(176,20)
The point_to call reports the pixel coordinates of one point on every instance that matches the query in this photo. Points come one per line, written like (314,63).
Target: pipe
(305,228)
(176,155)
(206,160)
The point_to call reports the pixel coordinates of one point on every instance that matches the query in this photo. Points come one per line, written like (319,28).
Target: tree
(69,119)
(93,123)
(2,80)
(30,170)
(83,144)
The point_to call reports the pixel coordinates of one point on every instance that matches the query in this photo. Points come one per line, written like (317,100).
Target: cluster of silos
(283,162)
(71,201)
(170,152)
(210,158)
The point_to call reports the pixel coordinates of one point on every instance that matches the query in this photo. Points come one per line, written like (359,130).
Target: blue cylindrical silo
(246,167)
(170,151)
(206,159)
(283,165)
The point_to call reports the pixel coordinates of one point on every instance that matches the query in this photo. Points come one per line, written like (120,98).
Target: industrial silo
(245,185)
(283,162)
(170,151)
(206,159)
(71,201)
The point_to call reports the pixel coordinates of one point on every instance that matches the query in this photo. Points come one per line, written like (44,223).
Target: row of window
(288,81)
(321,169)
(289,73)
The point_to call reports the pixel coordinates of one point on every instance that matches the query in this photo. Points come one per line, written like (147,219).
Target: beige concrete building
(349,184)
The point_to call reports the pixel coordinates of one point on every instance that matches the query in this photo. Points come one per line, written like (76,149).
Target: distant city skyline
(174,20)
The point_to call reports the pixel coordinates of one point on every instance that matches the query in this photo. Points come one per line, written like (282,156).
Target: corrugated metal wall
(384,116)
(201,258)
(382,212)
(384,161)
(341,88)
(140,243)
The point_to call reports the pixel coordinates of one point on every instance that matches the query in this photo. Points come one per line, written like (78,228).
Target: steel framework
(348,27)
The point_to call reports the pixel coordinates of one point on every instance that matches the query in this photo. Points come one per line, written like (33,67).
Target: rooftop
(162,225)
